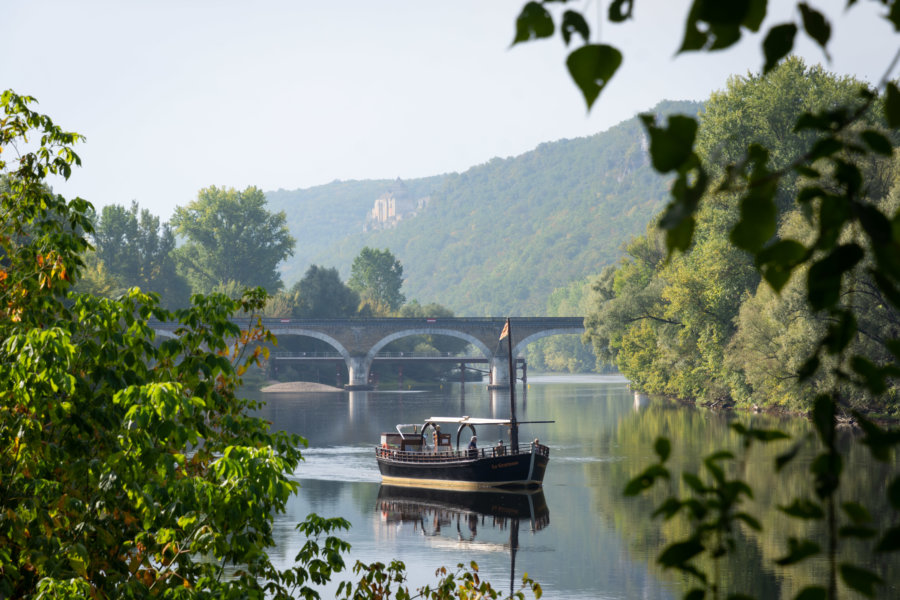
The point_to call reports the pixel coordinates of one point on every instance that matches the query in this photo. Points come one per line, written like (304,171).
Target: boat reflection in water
(470,518)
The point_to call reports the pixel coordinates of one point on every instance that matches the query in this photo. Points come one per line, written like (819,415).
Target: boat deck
(408,456)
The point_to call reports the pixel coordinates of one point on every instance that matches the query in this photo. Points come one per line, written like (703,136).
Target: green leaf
(872,376)
(812,592)
(861,532)
(810,193)
(894,15)
(694,482)
(591,67)
(856,512)
(814,121)
(671,147)
(645,480)
(861,580)
(841,331)
(890,541)
(879,441)
(534,22)
(877,142)
(778,43)
(826,469)
(798,550)
(783,459)
(669,508)
(676,555)
(757,223)
(678,237)
(573,22)
(663,448)
(825,147)
(714,25)
(893,493)
(620,10)
(815,25)
(892,104)
(802,508)
(750,520)
(778,261)
(824,277)
(823,417)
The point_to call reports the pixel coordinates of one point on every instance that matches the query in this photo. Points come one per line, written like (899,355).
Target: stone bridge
(358,340)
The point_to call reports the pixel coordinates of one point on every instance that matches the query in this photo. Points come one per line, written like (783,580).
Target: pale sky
(177,95)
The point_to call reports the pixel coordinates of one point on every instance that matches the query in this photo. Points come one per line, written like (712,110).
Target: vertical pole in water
(513,546)
(513,427)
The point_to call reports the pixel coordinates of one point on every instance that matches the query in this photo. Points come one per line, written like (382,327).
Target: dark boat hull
(456,470)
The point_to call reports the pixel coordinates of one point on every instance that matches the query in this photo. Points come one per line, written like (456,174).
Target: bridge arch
(500,375)
(324,337)
(521,344)
(430,331)
(359,367)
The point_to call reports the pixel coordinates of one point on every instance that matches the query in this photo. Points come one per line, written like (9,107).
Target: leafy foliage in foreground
(847,259)
(129,467)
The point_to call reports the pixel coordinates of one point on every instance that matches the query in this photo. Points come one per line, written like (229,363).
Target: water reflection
(471,520)
(601,545)
(460,514)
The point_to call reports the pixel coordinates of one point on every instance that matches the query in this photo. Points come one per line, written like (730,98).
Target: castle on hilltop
(393,206)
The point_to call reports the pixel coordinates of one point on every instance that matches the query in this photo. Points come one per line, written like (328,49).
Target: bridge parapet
(358,340)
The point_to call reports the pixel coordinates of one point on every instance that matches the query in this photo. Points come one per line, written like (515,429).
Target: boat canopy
(468,421)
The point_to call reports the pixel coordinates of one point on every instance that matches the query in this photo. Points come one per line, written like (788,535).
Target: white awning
(468,420)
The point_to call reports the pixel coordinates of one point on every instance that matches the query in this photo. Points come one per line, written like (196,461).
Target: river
(580,537)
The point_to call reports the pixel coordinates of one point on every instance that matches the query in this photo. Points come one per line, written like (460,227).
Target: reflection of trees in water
(696,433)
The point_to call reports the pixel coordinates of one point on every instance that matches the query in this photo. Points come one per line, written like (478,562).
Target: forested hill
(320,216)
(500,237)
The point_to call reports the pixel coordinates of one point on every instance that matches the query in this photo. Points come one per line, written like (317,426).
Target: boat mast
(514,426)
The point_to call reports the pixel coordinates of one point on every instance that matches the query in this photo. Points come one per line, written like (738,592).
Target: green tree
(97,280)
(131,468)
(853,235)
(322,294)
(138,251)
(377,276)
(231,237)
(567,353)
(699,293)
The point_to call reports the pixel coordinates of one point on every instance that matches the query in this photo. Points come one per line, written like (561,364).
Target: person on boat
(437,437)
(473,443)
(500,449)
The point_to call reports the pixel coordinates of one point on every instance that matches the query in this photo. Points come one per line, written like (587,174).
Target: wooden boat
(406,458)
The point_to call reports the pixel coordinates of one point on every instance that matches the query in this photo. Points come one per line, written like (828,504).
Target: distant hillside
(500,237)
(321,216)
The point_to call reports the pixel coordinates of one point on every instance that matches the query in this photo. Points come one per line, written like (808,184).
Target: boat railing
(428,456)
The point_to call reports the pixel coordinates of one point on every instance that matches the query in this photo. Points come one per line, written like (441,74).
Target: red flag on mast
(505,331)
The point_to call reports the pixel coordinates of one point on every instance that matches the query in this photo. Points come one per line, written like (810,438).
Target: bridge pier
(499,372)
(358,373)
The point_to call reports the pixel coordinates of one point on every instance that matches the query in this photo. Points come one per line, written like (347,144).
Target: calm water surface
(580,538)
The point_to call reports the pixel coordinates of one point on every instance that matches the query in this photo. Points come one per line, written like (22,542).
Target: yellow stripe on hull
(451,484)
